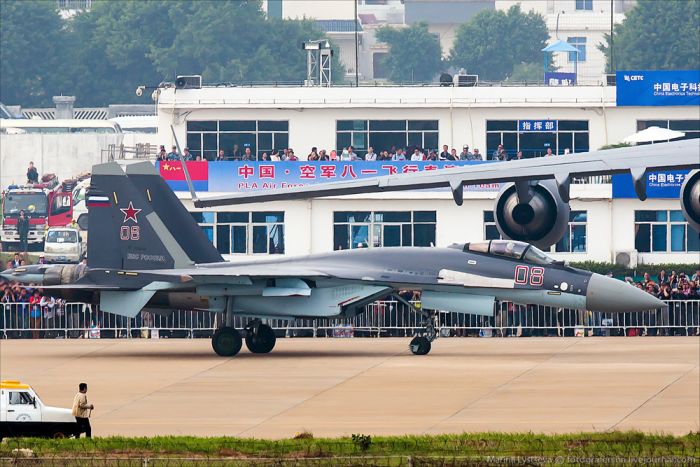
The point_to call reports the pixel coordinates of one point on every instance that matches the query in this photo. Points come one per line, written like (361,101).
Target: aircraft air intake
(690,199)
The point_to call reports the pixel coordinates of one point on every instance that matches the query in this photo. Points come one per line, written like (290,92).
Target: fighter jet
(147,252)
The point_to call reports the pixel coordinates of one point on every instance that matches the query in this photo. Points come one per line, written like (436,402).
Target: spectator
(453,155)
(476,156)
(566,151)
(291,156)
(432,156)
(499,154)
(349,154)
(465,155)
(221,155)
(519,155)
(264,157)
(285,154)
(549,152)
(42,259)
(16,261)
(162,156)
(399,156)
(173,155)
(322,155)
(32,173)
(248,155)
(696,278)
(23,230)
(370,156)
(663,277)
(275,156)
(35,313)
(417,155)
(333,155)
(445,154)
(313,155)
(186,154)
(236,153)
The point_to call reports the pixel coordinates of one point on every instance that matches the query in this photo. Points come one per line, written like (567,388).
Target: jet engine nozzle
(690,199)
(541,220)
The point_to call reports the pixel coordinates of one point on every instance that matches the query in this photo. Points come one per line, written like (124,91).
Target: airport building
(606,223)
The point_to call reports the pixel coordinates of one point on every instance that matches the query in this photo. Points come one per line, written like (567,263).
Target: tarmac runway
(335,387)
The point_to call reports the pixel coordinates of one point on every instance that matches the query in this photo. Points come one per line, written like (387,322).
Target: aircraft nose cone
(606,294)
(24,274)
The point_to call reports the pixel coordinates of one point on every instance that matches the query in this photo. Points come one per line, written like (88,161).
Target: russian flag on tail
(97,200)
(172,173)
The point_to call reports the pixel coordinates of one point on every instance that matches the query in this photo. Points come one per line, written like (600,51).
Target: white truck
(64,245)
(23,414)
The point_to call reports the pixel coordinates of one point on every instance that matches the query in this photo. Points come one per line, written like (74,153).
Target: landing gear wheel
(420,345)
(226,342)
(262,341)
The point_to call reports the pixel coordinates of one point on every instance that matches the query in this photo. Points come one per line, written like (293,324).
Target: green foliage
(31,35)
(363,442)
(101,56)
(657,35)
(615,145)
(414,53)
(493,42)
(527,72)
(474,446)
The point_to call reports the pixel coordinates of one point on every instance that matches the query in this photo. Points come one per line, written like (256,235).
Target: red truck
(45,204)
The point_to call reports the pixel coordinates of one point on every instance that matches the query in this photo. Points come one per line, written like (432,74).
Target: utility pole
(612,40)
(357,47)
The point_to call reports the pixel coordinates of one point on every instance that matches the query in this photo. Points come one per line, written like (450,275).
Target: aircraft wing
(636,160)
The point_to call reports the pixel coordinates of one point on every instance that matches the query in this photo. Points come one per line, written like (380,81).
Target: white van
(23,414)
(63,245)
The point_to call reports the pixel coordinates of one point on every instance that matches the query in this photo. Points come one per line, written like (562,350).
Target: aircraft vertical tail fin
(135,224)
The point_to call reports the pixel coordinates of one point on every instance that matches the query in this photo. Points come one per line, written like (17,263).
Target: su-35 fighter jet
(147,252)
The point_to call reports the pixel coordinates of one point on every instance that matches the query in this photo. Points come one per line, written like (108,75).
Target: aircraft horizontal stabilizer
(130,303)
(458,303)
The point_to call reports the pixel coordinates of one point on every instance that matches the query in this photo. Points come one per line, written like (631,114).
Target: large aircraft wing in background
(637,160)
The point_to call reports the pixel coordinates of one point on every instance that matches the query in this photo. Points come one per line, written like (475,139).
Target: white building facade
(529,119)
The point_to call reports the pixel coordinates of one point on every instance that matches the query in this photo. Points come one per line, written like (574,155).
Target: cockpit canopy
(520,251)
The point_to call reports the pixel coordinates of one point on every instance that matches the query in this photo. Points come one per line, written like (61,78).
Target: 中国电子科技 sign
(653,88)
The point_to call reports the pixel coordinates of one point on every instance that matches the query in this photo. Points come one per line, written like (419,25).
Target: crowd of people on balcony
(410,153)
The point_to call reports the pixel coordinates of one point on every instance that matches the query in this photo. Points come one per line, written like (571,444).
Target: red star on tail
(130,213)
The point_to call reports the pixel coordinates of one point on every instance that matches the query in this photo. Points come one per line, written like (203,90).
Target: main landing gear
(421,343)
(259,338)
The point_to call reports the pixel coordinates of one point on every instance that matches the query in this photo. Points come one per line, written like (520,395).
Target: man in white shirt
(417,155)
(370,156)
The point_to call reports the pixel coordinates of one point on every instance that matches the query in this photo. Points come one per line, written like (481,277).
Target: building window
(363,229)
(580,44)
(490,230)
(206,138)
(533,137)
(663,232)
(385,134)
(243,233)
(379,69)
(691,128)
(584,4)
(573,241)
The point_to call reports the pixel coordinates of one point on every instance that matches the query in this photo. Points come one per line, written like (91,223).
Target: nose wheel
(259,338)
(421,343)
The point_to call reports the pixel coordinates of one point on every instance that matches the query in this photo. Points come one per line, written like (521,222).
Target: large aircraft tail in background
(137,222)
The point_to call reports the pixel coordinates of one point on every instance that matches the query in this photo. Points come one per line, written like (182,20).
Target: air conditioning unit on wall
(626,259)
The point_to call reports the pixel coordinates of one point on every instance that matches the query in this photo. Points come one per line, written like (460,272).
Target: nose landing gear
(421,343)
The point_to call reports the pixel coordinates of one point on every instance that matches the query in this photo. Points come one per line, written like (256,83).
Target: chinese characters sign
(554,78)
(537,125)
(242,176)
(650,88)
(659,185)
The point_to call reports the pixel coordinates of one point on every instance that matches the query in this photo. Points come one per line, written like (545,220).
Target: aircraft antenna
(190,186)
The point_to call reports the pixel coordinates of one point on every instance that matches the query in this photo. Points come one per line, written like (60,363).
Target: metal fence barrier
(381,318)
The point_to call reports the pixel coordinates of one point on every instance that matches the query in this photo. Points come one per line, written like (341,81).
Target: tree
(30,51)
(657,36)
(526,72)
(493,42)
(414,52)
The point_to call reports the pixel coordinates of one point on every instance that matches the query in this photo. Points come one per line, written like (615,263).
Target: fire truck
(45,204)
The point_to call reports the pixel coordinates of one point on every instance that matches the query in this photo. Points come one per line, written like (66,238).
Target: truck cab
(22,413)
